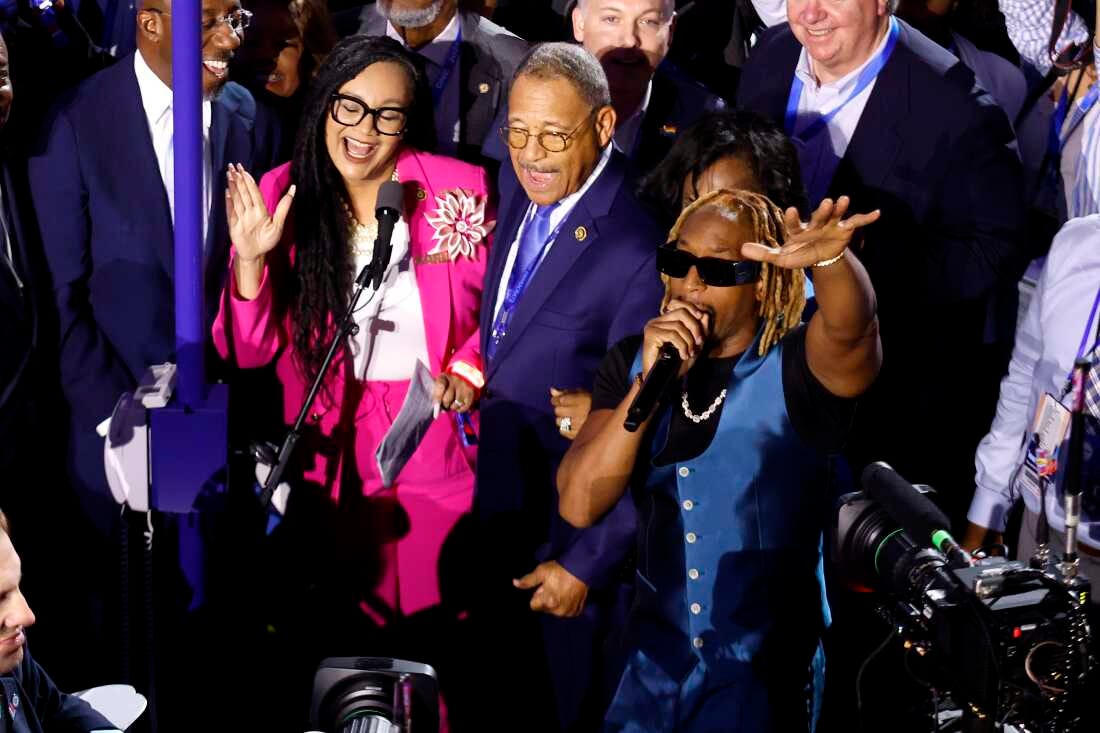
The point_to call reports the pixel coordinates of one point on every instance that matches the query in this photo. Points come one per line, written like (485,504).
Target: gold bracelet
(831,260)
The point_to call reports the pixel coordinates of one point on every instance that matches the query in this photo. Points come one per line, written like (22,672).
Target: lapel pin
(669,130)
(580,233)
(483,88)
(421,194)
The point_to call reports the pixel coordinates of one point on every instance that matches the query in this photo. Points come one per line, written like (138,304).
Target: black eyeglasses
(551,142)
(350,111)
(713,271)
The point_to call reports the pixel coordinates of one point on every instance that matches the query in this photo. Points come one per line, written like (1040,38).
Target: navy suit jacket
(935,153)
(106,231)
(598,284)
(39,706)
(675,103)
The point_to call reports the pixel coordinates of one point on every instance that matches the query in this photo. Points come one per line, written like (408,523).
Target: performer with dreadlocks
(729,474)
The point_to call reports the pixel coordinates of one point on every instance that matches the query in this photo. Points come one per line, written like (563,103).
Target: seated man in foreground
(32,702)
(729,472)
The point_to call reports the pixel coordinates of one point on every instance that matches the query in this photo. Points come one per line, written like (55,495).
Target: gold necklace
(361,236)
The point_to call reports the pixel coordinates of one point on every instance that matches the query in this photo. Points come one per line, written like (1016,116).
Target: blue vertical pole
(189,205)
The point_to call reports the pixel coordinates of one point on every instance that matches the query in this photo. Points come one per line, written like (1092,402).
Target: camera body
(1009,641)
(375,695)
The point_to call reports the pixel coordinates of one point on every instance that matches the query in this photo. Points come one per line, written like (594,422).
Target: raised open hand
(253,230)
(826,235)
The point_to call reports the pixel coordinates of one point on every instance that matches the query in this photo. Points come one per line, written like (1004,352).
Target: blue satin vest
(729,544)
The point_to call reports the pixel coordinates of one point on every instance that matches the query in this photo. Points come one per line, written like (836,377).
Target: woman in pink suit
(299,239)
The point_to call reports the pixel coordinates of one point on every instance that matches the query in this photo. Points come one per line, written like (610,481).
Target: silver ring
(566,425)
(456,404)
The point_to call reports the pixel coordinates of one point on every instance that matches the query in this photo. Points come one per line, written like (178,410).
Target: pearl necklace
(706,414)
(361,237)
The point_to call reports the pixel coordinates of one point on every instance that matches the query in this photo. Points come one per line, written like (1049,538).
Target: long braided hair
(323,265)
(784,296)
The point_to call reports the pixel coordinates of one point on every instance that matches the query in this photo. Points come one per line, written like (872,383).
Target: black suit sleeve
(55,710)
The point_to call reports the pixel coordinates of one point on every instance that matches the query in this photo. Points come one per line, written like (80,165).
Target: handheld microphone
(660,376)
(919,517)
(387,210)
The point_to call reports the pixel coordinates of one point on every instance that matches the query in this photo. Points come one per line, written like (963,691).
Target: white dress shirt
(1047,341)
(447,118)
(391,335)
(156,98)
(1028,23)
(771,12)
(626,132)
(557,217)
(821,155)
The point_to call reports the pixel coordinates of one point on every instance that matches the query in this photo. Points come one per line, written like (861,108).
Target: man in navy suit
(928,147)
(884,115)
(572,271)
(104,175)
(653,99)
(101,181)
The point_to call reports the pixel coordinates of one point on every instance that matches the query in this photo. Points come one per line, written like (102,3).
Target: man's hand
(574,404)
(977,536)
(826,235)
(557,591)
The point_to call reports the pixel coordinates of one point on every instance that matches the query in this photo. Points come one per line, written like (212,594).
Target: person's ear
(578,23)
(151,25)
(605,125)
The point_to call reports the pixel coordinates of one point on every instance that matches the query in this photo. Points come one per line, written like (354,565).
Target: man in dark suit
(469,61)
(32,702)
(572,271)
(101,180)
(653,99)
(930,149)
(926,146)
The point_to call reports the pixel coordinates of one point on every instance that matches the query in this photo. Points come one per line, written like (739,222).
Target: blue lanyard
(1084,347)
(1057,141)
(449,65)
(514,291)
(865,78)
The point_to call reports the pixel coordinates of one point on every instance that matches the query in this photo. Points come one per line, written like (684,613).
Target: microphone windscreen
(912,509)
(390,196)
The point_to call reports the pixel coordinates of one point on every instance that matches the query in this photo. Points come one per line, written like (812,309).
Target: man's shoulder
(496,40)
(935,73)
(101,88)
(692,96)
(237,100)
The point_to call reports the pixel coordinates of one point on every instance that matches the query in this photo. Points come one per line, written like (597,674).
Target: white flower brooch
(459,223)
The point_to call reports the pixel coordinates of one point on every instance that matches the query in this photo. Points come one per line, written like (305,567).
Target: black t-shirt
(819,417)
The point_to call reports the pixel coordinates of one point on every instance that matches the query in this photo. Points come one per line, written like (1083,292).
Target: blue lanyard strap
(449,65)
(1057,141)
(866,77)
(515,290)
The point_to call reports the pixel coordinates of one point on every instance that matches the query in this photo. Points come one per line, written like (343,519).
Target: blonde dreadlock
(784,297)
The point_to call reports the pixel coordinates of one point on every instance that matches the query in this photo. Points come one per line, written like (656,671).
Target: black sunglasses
(713,271)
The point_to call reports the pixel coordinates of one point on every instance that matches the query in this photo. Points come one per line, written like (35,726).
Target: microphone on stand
(656,382)
(387,211)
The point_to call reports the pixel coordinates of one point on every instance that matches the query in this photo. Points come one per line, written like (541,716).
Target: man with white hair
(653,100)
(468,59)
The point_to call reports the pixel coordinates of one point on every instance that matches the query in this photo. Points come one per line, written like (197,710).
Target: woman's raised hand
(253,230)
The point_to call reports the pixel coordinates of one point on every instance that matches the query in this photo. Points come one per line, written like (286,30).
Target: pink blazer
(254,332)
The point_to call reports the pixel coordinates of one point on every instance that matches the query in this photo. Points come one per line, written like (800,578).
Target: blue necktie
(531,243)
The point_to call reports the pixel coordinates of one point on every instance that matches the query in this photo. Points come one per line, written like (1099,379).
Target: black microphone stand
(265,452)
